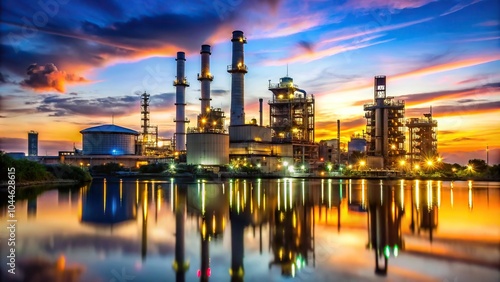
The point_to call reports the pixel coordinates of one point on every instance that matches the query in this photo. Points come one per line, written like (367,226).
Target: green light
(396,250)
(387,251)
(298,263)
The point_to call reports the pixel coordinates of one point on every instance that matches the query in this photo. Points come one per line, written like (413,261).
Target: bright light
(469,167)
(199,166)
(291,169)
(172,166)
(396,250)
(350,166)
(258,165)
(402,162)
(285,163)
(429,163)
(302,167)
(203,120)
(439,159)
(393,146)
(362,163)
(417,167)
(387,251)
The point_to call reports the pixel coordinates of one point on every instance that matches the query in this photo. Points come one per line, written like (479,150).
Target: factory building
(109,139)
(423,139)
(291,115)
(32,143)
(385,128)
(208,143)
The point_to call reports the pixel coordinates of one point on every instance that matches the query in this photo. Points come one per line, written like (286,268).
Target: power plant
(385,128)
(286,144)
(291,115)
(207,144)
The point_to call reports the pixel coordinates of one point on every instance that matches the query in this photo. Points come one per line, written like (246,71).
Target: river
(258,230)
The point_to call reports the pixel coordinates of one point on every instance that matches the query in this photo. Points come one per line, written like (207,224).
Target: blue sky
(440,53)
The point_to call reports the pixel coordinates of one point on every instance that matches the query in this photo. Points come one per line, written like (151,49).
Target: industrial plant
(286,145)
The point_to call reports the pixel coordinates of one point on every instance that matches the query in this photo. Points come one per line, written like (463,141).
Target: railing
(206,76)
(238,67)
(282,85)
(182,81)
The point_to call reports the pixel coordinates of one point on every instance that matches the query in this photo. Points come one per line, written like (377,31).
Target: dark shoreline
(27,184)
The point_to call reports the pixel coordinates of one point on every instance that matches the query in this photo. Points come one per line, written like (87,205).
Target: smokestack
(237,71)
(180,84)
(260,110)
(205,77)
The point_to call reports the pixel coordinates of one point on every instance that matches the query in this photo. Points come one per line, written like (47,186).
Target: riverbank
(54,182)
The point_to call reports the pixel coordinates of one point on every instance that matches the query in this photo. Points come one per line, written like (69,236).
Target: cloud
(489,23)
(219,92)
(48,77)
(391,5)
(482,91)
(460,6)
(454,110)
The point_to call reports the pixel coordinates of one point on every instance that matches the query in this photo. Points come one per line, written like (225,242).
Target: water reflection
(384,223)
(249,229)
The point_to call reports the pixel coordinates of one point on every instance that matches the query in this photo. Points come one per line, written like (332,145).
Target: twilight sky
(94,57)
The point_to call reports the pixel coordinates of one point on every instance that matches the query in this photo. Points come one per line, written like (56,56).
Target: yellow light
(280,96)
(402,162)
(214,123)
(362,163)
(393,146)
(417,167)
(439,159)
(429,163)
(203,120)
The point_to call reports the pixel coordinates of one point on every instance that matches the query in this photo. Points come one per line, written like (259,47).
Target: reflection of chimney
(180,264)
(144,241)
(237,70)
(260,110)
(237,250)
(180,84)
(205,78)
(205,255)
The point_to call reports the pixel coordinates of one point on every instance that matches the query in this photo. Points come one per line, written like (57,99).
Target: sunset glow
(94,58)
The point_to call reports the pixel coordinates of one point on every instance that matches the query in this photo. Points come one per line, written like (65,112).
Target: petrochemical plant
(285,145)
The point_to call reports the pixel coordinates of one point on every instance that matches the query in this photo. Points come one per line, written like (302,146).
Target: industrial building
(385,128)
(147,143)
(32,143)
(180,84)
(109,139)
(423,139)
(291,116)
(208,143)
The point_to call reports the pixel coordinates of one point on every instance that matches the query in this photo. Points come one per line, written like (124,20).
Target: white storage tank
(207,148)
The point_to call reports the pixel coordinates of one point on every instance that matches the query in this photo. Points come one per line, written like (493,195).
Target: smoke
(48,77)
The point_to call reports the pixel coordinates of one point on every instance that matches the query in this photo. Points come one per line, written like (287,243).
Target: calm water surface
(259,230)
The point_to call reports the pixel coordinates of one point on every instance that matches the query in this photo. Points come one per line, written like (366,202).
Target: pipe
(205,77)
(260,110)
(338,142)
(180,84)
(237,71)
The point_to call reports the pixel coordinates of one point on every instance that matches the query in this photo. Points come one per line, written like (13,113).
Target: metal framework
(385,126)
(291,116)
(423,138)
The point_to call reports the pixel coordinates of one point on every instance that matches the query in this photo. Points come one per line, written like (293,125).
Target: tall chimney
(237,71)
(205,77)
(180,84)
(260,110)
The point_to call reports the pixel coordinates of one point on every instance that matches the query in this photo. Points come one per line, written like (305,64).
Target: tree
(478,165)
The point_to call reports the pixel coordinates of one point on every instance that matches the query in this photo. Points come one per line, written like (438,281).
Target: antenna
(287,69)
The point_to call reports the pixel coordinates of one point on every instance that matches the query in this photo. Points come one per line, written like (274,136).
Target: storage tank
(207,148)
(109,139)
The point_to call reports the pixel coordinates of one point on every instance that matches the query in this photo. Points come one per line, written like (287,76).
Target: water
(259,230)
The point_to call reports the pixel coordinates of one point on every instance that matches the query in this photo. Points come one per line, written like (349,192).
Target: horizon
(442,54)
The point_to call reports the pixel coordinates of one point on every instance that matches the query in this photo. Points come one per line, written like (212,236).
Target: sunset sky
(95,57)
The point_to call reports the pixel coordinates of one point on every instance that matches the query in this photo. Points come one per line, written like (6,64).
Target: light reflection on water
(252,229)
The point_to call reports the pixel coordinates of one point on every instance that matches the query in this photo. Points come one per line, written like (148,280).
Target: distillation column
(180,84)
(237,71)
(205,77)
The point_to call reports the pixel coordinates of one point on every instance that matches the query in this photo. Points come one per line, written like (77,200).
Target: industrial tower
(149,134)
(423,139)
(237,69)
(210,119)
(385,128)
(180,84)
(291,117)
